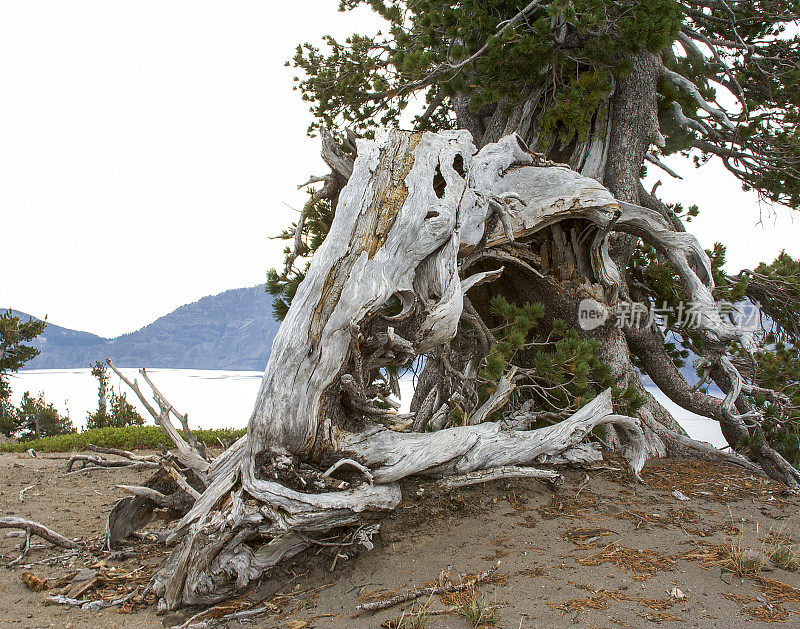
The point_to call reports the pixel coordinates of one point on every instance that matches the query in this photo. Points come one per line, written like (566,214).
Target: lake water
(224,399)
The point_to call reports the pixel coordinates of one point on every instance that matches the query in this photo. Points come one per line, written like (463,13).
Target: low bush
(125,438)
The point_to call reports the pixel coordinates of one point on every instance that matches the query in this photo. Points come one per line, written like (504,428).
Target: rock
(677,594)
(756,559)
(679,495)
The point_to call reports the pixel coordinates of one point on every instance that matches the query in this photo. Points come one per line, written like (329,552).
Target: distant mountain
(233,330)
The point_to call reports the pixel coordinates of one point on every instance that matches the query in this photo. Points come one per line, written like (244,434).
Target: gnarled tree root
(246,526)
(417,211)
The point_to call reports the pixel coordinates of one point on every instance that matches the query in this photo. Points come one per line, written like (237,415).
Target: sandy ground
(598,551)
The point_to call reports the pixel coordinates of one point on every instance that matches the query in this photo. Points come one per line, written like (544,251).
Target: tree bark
(321,452)
(634,126)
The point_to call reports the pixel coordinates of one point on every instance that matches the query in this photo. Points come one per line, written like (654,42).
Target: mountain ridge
(232,330)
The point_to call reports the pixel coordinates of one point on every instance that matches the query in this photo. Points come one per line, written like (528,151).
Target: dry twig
(448,588)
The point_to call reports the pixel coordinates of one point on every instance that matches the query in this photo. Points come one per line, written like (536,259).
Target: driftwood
(89,461)
(497,473)
(126,459)
(150,458)
(91,605)
(189,452)
(34,528)
(324,449)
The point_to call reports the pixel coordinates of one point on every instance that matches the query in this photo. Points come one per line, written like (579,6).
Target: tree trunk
(102,404)
(321,451)
(634,127)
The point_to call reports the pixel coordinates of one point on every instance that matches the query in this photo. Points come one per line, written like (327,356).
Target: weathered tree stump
(418,212)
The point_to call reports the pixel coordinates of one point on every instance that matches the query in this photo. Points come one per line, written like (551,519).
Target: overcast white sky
(147,148)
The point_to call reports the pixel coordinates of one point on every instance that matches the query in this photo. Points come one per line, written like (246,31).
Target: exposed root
(364,470)
(417,211)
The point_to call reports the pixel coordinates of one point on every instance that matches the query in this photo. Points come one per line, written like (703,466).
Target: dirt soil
(598,551)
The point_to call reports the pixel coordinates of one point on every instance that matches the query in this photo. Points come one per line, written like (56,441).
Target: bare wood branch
(186,454)
(361,468)
(374,606)
(691,89)
(152,458)
(654,160)
(183,418)
(505,387)
(92,605)
(146,492)
(333,156)
(24,547)
(497,473)
(34,528)
(98,461)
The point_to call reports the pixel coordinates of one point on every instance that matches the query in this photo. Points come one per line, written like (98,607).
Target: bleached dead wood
(497,473)
(498,398)
(183,418)
(88,459)
(91,605)
(24,547)
(160,499)
(417,211)
(394,234)
(364,470)
(392,456)
(180,480)
(187,454)
(34,528)
(151,458)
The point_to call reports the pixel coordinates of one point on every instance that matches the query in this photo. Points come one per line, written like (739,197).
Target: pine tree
(37,418)
(605,87)
(14,353)
(411,275)
(122,413)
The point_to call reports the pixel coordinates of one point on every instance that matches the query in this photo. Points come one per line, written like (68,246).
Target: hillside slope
(232,330)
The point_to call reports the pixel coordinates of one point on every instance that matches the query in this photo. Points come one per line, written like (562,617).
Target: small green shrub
(782,551)
(37,418)
(125,438)
(476,609)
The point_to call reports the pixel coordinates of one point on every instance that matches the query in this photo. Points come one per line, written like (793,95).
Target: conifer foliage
(607,88)
(34,417)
